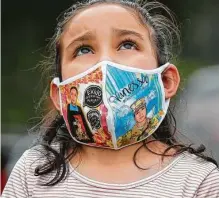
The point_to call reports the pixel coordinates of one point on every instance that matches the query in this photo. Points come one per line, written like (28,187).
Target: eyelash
(82,45)
(126,40)
(129,40)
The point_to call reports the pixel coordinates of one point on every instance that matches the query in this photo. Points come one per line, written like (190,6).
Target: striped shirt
(185,177)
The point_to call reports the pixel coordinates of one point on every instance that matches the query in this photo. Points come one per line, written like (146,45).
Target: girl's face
(105,32)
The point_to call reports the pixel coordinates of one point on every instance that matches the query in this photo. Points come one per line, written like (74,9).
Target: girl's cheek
(77,65)
(137,60)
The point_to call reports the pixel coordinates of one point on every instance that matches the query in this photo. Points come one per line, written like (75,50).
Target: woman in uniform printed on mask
(141,125)
(140,115)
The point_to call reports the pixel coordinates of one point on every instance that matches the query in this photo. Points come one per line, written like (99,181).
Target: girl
(116,54)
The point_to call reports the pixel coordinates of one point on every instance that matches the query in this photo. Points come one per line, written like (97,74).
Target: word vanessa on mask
(131,87)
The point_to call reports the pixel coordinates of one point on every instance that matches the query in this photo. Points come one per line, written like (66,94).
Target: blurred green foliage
(26,26)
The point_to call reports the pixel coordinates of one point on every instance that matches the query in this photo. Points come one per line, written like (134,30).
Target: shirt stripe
(187,176)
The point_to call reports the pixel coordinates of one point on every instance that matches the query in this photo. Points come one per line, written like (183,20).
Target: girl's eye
(83,50)
(128,45)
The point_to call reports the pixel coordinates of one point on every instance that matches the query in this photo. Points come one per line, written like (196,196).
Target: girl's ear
(54,95)
(171,80)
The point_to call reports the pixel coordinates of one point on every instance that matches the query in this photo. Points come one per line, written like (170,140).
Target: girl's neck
(109,157)
(117,166)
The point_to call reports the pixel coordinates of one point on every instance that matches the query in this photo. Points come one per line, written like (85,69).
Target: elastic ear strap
(56,81)
(164,67)
(60,102)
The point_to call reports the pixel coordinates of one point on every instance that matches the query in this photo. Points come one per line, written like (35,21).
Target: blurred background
(26,27)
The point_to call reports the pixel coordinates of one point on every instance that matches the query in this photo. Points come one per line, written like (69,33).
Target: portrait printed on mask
(76,119)
(139,130)
(140,116)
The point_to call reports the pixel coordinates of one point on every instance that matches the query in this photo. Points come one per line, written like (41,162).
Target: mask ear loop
(164,67)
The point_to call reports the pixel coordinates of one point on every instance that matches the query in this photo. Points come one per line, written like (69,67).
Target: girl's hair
(166,40)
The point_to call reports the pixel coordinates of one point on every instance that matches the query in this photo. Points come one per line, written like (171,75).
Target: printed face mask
(112,105)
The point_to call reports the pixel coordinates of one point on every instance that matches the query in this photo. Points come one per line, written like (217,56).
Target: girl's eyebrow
(90,35)
(125,32)
(85,36)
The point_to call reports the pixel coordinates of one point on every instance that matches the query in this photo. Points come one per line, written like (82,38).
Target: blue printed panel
(127,92)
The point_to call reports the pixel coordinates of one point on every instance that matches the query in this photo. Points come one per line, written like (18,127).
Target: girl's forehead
(105,16)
